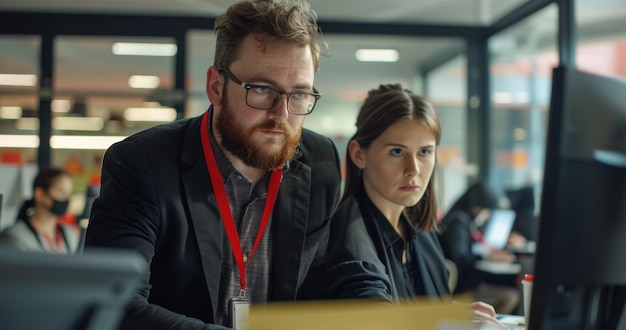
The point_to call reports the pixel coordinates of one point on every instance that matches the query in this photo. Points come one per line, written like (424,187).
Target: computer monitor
(88,291)
(580,273)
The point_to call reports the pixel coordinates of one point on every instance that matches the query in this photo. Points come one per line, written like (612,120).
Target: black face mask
(59,207)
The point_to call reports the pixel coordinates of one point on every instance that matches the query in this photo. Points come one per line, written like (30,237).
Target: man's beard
(236,140)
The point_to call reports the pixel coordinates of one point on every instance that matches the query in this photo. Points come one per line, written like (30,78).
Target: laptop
(498,228)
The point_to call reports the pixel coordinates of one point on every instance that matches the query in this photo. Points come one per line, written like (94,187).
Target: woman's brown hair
(382,108)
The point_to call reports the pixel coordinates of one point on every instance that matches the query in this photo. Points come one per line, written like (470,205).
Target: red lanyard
(224,206)
(55,243)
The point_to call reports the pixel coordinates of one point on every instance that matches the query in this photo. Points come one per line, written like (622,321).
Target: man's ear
(214,85)
(357,154)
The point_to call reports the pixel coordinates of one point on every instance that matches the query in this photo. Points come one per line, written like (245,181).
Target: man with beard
(231,207)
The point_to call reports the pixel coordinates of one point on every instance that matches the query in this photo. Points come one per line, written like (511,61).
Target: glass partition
(601,43)
(19,99)
(447,90)
(522,59)
(106,88)
(19,103)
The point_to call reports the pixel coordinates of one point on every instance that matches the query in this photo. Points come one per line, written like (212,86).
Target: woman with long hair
(383,242)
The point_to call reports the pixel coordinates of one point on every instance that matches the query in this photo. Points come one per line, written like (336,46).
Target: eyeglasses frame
(248,87)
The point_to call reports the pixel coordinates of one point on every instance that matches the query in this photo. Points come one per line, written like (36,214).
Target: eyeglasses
(265,98)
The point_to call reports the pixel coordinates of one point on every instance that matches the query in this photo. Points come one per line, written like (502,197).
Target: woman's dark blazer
(357,247)
(156,198)
(456,241)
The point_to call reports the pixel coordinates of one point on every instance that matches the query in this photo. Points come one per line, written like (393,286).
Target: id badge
(239,309)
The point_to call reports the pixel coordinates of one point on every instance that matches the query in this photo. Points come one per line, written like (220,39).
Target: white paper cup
(527,291)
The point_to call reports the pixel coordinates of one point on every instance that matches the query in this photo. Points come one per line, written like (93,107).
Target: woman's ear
(214,85)
(357,154)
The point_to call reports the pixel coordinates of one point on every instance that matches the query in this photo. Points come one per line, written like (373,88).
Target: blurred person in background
(37,227)
(461,232)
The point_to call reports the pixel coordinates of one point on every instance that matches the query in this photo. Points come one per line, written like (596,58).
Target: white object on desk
(498,267)
(512,322)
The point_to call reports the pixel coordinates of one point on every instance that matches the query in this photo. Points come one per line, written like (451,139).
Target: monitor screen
(580,273)
(88,291)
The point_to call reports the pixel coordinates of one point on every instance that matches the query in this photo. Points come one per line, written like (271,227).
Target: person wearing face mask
(461,231)
(37,227)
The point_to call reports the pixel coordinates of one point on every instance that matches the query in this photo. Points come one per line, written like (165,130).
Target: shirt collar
(389,234)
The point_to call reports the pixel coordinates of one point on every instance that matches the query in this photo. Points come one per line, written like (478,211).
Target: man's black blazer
(156,197)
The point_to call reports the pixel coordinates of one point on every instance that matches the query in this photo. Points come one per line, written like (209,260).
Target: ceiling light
(61,105)
(150,114)
(78,123)
(29,124)
(18,79)
(19,141)
(145,49)
(377,55)
(519,134)
(10,112)
(83,142)
(502,97)
(60,141)
(139,81)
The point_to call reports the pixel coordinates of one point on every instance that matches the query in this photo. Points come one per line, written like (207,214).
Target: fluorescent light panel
(83,142)
(19,141)
(18,79)
(377,55)
(59,105)
(139,81)
(78,123)
(150,114)
(29,124)
(10,112)
(63,124)
(60,141)
(144,49)
(502,97)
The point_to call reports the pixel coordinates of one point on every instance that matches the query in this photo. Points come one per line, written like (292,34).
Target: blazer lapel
(289,231)
(205,216)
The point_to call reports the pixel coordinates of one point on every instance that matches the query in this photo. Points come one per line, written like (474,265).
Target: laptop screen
(498,228)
